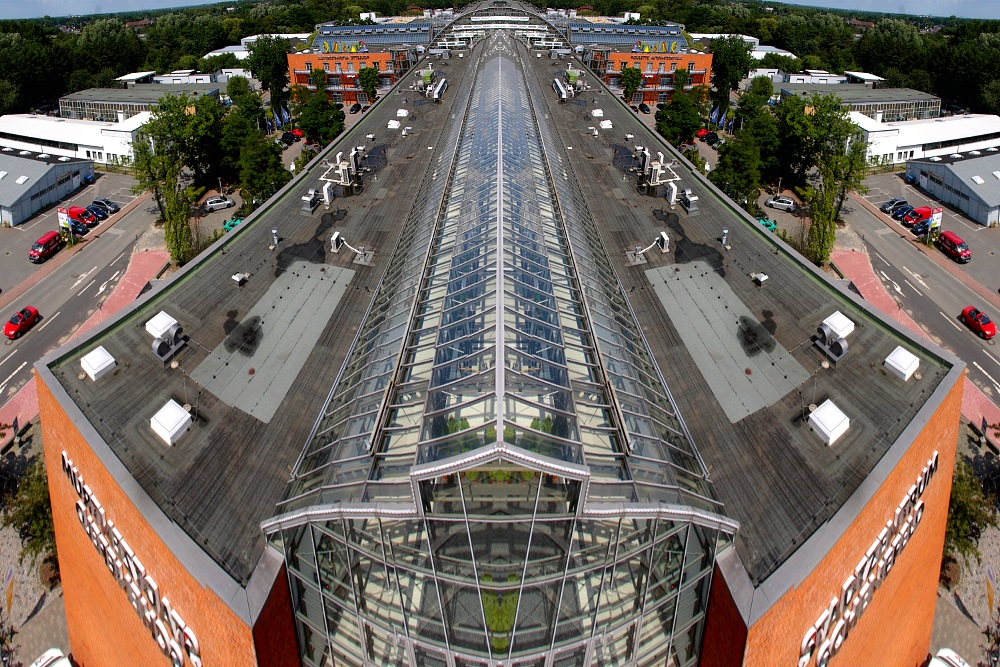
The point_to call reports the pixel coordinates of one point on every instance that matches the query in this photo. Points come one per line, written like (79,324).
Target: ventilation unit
(168,336)
(170,422)
(97,363)
(902,363)
(831,337)
(829,422)
(935,159)
(64,159)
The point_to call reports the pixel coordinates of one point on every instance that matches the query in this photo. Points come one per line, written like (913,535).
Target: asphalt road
(69,295)
(933,297)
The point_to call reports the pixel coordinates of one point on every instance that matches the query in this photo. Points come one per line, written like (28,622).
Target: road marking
(916,276)
(995,360)
(80,293)
(974,363)
(912,287)
(882,258)
(105,283)
(25,363)
(8,357)
(83,277)
(49,319)
(890,280)
(949,321)
(118,257)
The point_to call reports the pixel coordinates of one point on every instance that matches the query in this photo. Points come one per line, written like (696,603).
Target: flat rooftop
(143,93)
(261,358)
(739,358)
(855,93)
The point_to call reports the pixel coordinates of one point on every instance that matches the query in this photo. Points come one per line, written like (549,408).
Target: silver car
(781,203)
(218,203)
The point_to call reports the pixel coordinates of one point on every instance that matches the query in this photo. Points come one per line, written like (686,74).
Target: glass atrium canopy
(500,474)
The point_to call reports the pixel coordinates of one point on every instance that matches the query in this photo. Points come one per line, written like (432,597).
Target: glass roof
(516,341)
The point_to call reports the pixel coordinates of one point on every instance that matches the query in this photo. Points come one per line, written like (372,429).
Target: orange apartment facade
(342,69)
(657,70)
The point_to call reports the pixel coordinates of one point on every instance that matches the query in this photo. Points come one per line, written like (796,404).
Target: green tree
(822,229)
(318,120)
(969,512)
(738,171)
(631,80)
(107,43)
(849,170)
(30,513)
(368,80)
(731,62)
(261,171)
(679,120)
(268,61)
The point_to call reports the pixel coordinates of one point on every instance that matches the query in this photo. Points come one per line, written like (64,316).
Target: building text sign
(174,637)
(824,639)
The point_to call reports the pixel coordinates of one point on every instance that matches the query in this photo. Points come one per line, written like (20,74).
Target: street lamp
(779,185)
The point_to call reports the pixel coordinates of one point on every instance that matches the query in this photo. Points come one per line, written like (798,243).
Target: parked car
(782,203)
(297,133)
(20,322)
(892,205)
(365,108)
(644,108)
(768,224)
(83,215)
(98,212)
(217,203)
(719,144)
(78,228)
(634,108)
(51,658)
(979,322)
(702,132)
(232,223)
(107,205)
(47,245)
(921,228)
(917,215)
(711,138)
(355,108)
(952,245)
(288,138)
(901,211)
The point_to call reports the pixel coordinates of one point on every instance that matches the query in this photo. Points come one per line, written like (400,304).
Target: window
(660,68)
(673,66)
(350,67)
(338,67)
(691,66)
(649,67)
(309,65)
(326,67)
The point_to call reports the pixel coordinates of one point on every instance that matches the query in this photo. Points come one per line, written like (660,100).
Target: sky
(971,9)
(983,9)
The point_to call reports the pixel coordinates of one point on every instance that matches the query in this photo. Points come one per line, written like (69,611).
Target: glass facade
(500,475)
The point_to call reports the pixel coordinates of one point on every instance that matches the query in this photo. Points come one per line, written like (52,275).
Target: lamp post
(779,185)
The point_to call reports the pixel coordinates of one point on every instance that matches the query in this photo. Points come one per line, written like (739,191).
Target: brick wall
(896,627)
(274,631)
(103,627)
(725,632)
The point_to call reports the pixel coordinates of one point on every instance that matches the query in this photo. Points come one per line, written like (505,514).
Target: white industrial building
(968,181)
(900,141)
(30,182)
(103,142)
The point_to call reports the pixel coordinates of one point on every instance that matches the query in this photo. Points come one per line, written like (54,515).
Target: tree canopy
(731,62)
(268,62)
(631,80)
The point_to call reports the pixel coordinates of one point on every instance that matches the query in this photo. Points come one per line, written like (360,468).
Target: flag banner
(714,116)
(284,114)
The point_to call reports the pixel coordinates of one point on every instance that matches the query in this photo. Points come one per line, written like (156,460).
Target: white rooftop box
(829,422)
(902,363)
(170,422)
(605,124)
(402,113)
(160,324)
(597,113)
(97,363)
(393,124)
(840,325)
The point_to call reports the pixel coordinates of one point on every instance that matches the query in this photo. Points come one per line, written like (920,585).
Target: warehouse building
(103,142)
(119,104)
(881,104)
(969,182)
(30,182)
(501,464)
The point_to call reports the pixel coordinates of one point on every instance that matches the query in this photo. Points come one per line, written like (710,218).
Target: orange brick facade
(342,71)
(657,71)
(104,629)
(895,629)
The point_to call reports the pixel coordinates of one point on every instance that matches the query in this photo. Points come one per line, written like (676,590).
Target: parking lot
(984,242)
(15,241)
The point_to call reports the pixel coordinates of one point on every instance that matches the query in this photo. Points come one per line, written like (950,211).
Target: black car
(633,108)
(365,108)
(107,205)
(711,138)
(355,108)
(892,205)
(644,108)
(79,228)
(922,227)
(288,138)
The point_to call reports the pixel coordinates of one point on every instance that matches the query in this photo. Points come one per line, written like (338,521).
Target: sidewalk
(142,268)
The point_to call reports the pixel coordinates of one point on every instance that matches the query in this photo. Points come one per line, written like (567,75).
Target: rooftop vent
(98,363)
(2,174)
(992,149)
(24,153)
(978,180)
(829,422)
(21,180)
(957,156)
(935,159)
(44,155)
(997,175)
(168,337)
(170,422)
(974,153)
(8,149)
(64,159)
(902,363)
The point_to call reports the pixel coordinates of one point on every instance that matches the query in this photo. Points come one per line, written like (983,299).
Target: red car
(297,133)
(979,322)
(702,132)
(20,322)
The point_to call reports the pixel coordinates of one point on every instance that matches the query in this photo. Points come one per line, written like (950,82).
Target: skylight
(978,179)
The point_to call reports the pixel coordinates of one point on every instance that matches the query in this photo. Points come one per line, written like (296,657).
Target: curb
(61,258)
